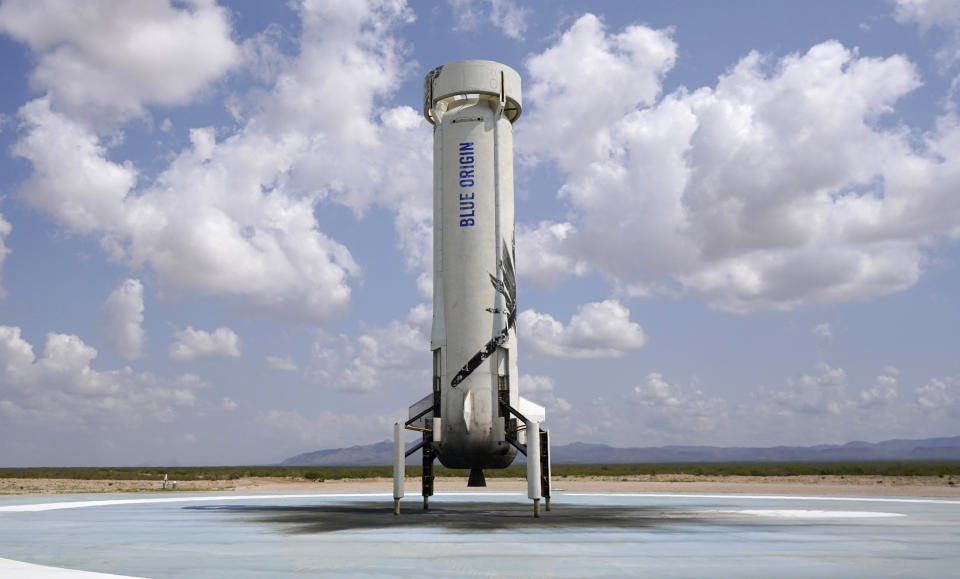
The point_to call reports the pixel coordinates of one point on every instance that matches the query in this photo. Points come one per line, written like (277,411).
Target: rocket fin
(532,411)
(425,403)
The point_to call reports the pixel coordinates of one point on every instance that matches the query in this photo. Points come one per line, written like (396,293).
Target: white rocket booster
(473,105)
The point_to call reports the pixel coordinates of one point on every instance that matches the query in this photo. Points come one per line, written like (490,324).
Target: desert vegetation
(321,473)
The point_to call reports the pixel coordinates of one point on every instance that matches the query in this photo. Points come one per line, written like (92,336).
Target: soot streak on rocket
(507,287)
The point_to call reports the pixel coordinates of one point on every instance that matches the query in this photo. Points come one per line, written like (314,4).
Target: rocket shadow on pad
(465,516)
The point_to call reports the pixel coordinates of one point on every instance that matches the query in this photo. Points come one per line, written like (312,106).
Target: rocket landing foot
(396,506)
(476,478)
(536,508)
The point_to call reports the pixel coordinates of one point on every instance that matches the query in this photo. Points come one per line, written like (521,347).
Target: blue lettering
(467,204)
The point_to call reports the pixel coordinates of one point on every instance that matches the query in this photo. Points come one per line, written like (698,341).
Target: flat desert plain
(915,486)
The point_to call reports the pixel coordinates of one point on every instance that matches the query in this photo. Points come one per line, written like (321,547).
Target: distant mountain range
(381,453)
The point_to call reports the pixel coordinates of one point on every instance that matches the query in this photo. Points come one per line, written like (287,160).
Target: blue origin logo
(467,205)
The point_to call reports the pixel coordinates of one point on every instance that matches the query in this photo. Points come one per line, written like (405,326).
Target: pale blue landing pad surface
(485,534)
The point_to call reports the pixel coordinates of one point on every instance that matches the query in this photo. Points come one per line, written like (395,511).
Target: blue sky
(737,222)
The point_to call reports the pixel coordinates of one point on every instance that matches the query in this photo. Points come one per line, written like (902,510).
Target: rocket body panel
(472,105)
(469,253)
(475,222)
(437,332)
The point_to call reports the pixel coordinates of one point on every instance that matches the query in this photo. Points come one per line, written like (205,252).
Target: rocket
(474,418)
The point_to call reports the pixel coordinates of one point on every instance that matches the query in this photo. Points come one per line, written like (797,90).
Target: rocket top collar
(473,77)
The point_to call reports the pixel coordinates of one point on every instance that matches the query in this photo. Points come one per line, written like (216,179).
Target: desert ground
(916,486)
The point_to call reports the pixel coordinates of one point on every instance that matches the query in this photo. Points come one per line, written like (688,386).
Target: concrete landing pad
(485,534)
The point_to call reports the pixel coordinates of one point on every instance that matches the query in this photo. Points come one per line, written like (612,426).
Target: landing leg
(399,465)
(534,488)
(426,479)
(545,467)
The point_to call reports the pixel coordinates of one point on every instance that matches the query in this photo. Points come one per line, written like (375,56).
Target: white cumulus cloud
(884,391)
(928,14)
(675,408)
(542,390)
(542,257)
(509,17)
(381,357)
(597,330)
(821,393)
(594,78)
(816,407)
(233,214)
(62,387)
(207,227)
(122,318)
(822,406)
(72,179)
(779,186)
(112,58)
(939,395)
(199,344)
